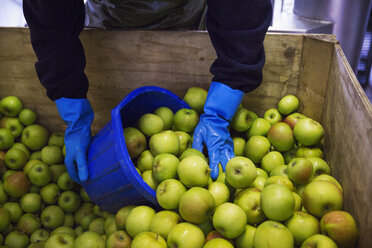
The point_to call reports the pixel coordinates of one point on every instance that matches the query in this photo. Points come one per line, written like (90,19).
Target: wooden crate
(313,67)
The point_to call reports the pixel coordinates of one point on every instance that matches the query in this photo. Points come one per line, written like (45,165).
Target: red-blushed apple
(273,116)
(139,220)
(243,119)
(10,106)
(340,226)
(279,170)
(185,120)
(185,141)
(164,167)
(52,217)
(185,235)
(292,119)
(277,202)
(6,139)
(220,192)
(196,205)
(27,116)
(319,241)
(89,239)
(190,152)
(193,171)
(16,184)
(148,239)
(256,148)
(135,141)
(122,215)
(300,170)
(281,180)
(163,221)
(326,177)
(239,144)
(195,97)
(166,114)
(169,192)
(271,160)
(306,152)
(148,177)
(229,219)
(35,137)
(250,202)
(218,243)
(164,142)
(298,201)
(144,161)
(302,225)
(281,136)
(240,172)
(16,239)
(119,239)
(246,239)
(288,104)
(216,235)
(321,197)
(260,126)
(270,234)
(320,166)
(308,131)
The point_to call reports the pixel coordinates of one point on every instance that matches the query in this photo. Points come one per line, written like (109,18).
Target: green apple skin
(16,184)
(37,155)
(256,148)
(308,131)
(206,227)
(15,211)
(35,137)
(298,201)
(242,120)
(185,141)
(281,136)
(15,159)
(239,144)
(119,239)
(230,220)
(145,160)
(4,219)
(185,235)
(122,215)
(69,201)
(306,152)
(220,192)
(300,170)
(340,226)
(63,229)
(39,174)
(218,243)
(165,167)
(321,197)
(6,139)
(60,240)
(139,220)
(246,239)
(260,126)
(110,224)
(262,173)
(289,155)
(39,235)
(11,106)
(166,114)
(163,221)
(277,202)
(195,97)
(57,139)
(27,116)
(279,170)
(319,241)
(273,116)
(169,192)
(196,205)
(326,177)
(52,217)
(292,119)
(97,225)
(13,124)
(259,183)
(191,152)
(164,142)
(57,170)
(319,166)
(193,171)
(28,223)
(3,196)
(281,180)
(240,172)
(148,177)
(49,193)
(150,124)
(302,225)
(185,120)
(288,104)
(51,155)
(273,234)
(250,202)
(135,141)
(23,148)
(16,239)
(30,202)
(148,239)
(271,160)
(89,239)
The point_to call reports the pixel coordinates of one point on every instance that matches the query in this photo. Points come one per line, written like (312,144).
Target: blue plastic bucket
(113,180)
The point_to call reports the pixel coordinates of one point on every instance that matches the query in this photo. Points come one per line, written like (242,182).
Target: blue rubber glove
(78,116)
(219,108)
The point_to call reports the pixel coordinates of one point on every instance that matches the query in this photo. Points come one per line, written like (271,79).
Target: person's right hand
(78,115)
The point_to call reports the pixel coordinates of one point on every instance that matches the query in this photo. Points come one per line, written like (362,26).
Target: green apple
(230,220)
(281,180)
(243,119)
(260,126)
(89,239)
(185,120)
(195,97)
(340,226)
(273,116)
(139,220)
(185,141)
(65,182)
(169,192)
(292,119)
(196,205)
(302,225)
(150,124)
(216,235)
(321,197)
(51,155)
(218,243)
(10,106)
(27,116)
(30,202)
(206,227)
(259,183)
(52,217)
(163,221)
(319,166)
(250,202)
(119,239)
(300,170)
(28,223)
(23,148)
(279,170)
(49,193)
(15,159)
(326,177)
(16,239)
(4,219)
(122,215)
(246,239)
(57,139)
(190,152)
(15,211)
(69,220)
(185,235)
(39,235)
(166,114)
(35,137)
(308,131)
(281,136)
(271,160)
(277,202)
(305,152)
(37,155)
(6,139)
(60,240)
(3,195)
(164,167)
(289,155)
(13,124)
(240,172)
(110,225)
(239,144)
(16,184)
(57,170)
(298,201)
(135,141)
(148,177)
(220,192)
(256,148)
(148,239)
(288,104)
(270,234)
(39,174)
(262,173)
(100,212)
(193,171)
(145,160)
(69,201)
(319,241)
(164,142)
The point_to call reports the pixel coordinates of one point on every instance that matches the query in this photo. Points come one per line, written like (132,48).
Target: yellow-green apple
(122,215)
(185,235)
(193,171)
(281,136)
(326,177)
(164,142)
(166,114)
(64,229)
(259,183)
(243,119)
(119,239)
(69,201)
(185,120)
(270,234)
(240,172)
(230,220)
(319,241)
(340,226)
(321,197)
(271,160)
(15,211)
(6,139)
(288,104)
(320,166)
(28,223)
(135,141)
(10,106)
(279,170)
(246,239)
(39,174)
(196,205)
(196,97)
(35,137)
(52,217)
(37,155)
(89,239)
(163,221)
(260,126)
(97,225)
(281,180)
(13,124)
(23,148)
(218,243)
(169,192)
(257,147)
(262,173)
(302,225)
(51,155)
(16,184)
(15,159)
(164,167)
(16,239)
(40,235)
(4,219)
(305,152)
(148,177)
(27,116)
(239,144)
(30,202)
(49,193)
(292,119)
(277,202)
(148,239)
(139,220)
(185,141)
(145,160)
(300,170)
(150,124)
(220,192)
(250,202)
(273,116)
(57,139)
(190,152)
(60,240)
(109,225)
(308,131)
(298,201)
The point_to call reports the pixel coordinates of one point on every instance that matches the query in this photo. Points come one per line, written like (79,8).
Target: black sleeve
(55,26)
(237,29)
